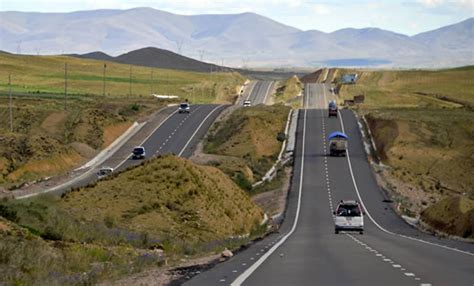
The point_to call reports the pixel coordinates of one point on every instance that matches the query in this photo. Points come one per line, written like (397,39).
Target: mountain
(245,39)
(154,57)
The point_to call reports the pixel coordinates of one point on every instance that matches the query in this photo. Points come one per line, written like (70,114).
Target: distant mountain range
(244,39)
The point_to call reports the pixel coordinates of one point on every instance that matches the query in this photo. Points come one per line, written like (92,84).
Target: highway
(306,251)
(168,132)
(258,92)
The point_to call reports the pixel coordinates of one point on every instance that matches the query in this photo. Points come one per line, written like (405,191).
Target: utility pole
(130,83)
(10,100)
(103,87)
(65,86)
(151,81)
(194,100)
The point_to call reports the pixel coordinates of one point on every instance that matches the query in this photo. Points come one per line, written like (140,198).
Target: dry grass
(454,216)
(49,127)
(288,92)
(171,198)
(422,124)
(250,136)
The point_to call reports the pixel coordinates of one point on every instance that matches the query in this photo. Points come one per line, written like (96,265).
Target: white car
(104,171)
(184,108)
(349,216)
(247,103)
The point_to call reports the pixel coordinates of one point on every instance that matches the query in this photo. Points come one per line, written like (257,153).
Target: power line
(10,100)
(65,86)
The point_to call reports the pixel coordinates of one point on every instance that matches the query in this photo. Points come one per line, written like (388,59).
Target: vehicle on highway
(332,109)
(247,103)
(104,171)
(337,144)
(184,108)
(138,152)
(349,216)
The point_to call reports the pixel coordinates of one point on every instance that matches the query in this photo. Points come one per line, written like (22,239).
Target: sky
(403,16)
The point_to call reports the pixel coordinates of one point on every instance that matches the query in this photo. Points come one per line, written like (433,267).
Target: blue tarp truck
(337,144)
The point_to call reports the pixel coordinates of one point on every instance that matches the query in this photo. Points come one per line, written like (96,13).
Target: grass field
(165,209)
(45,74)
(53,133)
(288,92)
(249,138)
(422,123)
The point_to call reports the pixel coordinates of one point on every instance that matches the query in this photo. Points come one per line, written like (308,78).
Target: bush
(281,136)
(8,213)
(242,181)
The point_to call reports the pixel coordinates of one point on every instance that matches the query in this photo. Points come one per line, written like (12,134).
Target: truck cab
(337,144)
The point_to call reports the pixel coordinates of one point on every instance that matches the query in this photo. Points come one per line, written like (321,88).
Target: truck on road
(337,144)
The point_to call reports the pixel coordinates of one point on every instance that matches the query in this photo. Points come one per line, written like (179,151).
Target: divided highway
(307,252)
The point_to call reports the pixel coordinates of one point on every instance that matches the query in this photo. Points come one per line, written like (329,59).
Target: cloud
(321,9)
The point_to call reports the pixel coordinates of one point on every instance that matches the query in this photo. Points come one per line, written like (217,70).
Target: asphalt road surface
(258,92)
(308,252)
(176,134)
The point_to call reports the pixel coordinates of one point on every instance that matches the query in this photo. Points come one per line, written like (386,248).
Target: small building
(349,78)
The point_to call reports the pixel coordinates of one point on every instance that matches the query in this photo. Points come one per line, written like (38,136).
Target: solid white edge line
(148,137)
(373,220)
(242,277)
(266,93)
(251,90)
(197,129)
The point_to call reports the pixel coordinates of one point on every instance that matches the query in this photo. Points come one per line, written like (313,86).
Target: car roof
(139,147)
(349,202)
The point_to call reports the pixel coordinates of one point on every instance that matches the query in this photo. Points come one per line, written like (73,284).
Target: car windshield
(138,151)
(184,105)
(348,210)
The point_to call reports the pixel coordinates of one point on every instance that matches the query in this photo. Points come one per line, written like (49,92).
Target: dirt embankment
(384,132)
(452,216)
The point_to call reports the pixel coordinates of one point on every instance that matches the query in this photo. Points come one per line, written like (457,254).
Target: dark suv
(138,152)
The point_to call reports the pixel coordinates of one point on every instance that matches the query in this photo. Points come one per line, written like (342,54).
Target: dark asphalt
(260,92)
(168,133)
(313,255)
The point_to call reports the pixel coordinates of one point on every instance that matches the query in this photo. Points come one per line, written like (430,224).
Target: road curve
(176,134)
(307,252)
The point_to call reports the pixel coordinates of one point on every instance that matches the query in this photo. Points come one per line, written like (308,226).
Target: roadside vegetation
(52,134)
(289,92)
(158,213)
(422,123)
(248,142)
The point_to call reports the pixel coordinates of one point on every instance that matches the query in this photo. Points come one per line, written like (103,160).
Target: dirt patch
(384,133)
(112,132)
(84,150)
(54,123)
(168,275)
(274,202)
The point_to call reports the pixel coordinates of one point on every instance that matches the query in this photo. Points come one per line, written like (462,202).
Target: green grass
(250,136)
(45,74)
